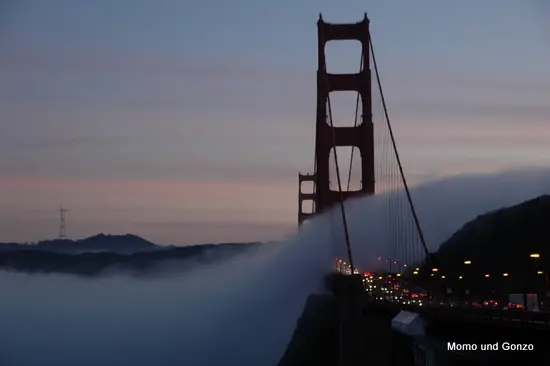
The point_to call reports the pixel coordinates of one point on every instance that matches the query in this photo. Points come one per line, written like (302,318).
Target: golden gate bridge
(407,272)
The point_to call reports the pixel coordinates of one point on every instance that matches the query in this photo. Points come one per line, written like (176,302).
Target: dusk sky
(188,121)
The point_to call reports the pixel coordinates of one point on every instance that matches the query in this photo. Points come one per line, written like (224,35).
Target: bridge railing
(535,318)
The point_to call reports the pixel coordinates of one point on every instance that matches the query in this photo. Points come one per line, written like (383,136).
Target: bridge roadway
(513,318)
(466,313)
(463,326)
(325,335)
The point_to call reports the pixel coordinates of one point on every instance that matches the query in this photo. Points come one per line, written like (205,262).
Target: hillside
(502,239)
(499,242)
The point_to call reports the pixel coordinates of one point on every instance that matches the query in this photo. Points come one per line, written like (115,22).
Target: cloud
(443,207)
(499,83)
(133,168)
(58,58)
(239,312)
(220,314)
(75,141)
(520,112)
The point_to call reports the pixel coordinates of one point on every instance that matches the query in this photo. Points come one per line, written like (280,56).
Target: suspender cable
(355,121)
(342,206)
(409,198)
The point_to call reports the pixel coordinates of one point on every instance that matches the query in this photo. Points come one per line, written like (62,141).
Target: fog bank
(238,312)
(442,206)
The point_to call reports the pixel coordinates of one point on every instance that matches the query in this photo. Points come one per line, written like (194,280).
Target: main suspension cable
(409,198)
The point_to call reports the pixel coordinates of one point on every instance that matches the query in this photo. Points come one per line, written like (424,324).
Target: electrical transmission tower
(62,228)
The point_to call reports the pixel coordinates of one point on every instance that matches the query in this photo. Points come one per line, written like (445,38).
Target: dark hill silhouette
(90,264)
(98,253)
(502,240)
(499,242)
(123,244)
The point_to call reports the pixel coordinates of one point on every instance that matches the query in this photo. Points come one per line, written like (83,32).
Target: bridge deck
(517,319)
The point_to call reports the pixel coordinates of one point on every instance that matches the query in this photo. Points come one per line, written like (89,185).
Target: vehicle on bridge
(515,306)
(526,302)
(490,304)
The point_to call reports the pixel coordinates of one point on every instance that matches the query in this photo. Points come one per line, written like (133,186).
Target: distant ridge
(93,255)
(123,244)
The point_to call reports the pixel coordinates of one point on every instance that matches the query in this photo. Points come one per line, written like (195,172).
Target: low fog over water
(241,311)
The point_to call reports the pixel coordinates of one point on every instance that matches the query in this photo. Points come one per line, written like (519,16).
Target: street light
(468,262)
(443,277)
(487,276)
(434,269)
(536,256)
(415,272)
(505,274)
(459,277)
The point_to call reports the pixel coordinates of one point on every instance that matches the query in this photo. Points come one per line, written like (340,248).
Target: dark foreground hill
(100,253)
(501,240)
(498,243)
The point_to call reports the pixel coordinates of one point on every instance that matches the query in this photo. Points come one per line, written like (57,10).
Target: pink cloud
(149,199)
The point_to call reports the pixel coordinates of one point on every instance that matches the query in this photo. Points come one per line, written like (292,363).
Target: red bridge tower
(329,137)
